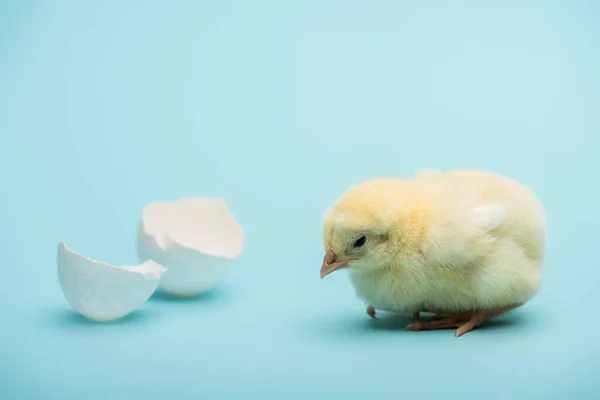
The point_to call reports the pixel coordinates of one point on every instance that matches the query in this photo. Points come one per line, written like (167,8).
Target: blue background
(278,107)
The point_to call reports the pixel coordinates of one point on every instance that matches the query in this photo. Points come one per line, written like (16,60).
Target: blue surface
(278,107)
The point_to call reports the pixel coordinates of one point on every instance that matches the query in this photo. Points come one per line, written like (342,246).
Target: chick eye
(360,242)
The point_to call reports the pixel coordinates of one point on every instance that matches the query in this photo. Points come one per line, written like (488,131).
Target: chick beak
(331,263)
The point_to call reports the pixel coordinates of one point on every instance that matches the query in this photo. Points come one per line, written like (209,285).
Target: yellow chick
(467,245)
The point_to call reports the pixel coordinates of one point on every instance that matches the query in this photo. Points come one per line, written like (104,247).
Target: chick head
(370,226)
(386,222)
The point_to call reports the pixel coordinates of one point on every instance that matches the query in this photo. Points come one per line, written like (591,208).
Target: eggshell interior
(101,291)
(197,239)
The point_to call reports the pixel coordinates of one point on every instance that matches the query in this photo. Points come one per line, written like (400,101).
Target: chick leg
(371,311)
(438,322)
(480,317)
(417,315)
(463,323)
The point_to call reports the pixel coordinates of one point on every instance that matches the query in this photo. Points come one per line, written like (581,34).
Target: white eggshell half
(101,291)
(197,239)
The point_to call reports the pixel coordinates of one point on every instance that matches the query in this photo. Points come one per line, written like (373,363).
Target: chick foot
(463,323)
(479,318)
(436,322)
(371,312)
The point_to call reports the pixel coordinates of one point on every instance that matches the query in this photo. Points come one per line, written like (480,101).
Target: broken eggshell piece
(197,239)
(101,291)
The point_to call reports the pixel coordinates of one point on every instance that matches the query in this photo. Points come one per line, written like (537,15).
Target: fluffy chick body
(429,249)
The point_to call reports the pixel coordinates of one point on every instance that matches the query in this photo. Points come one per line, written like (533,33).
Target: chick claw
(371,312)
